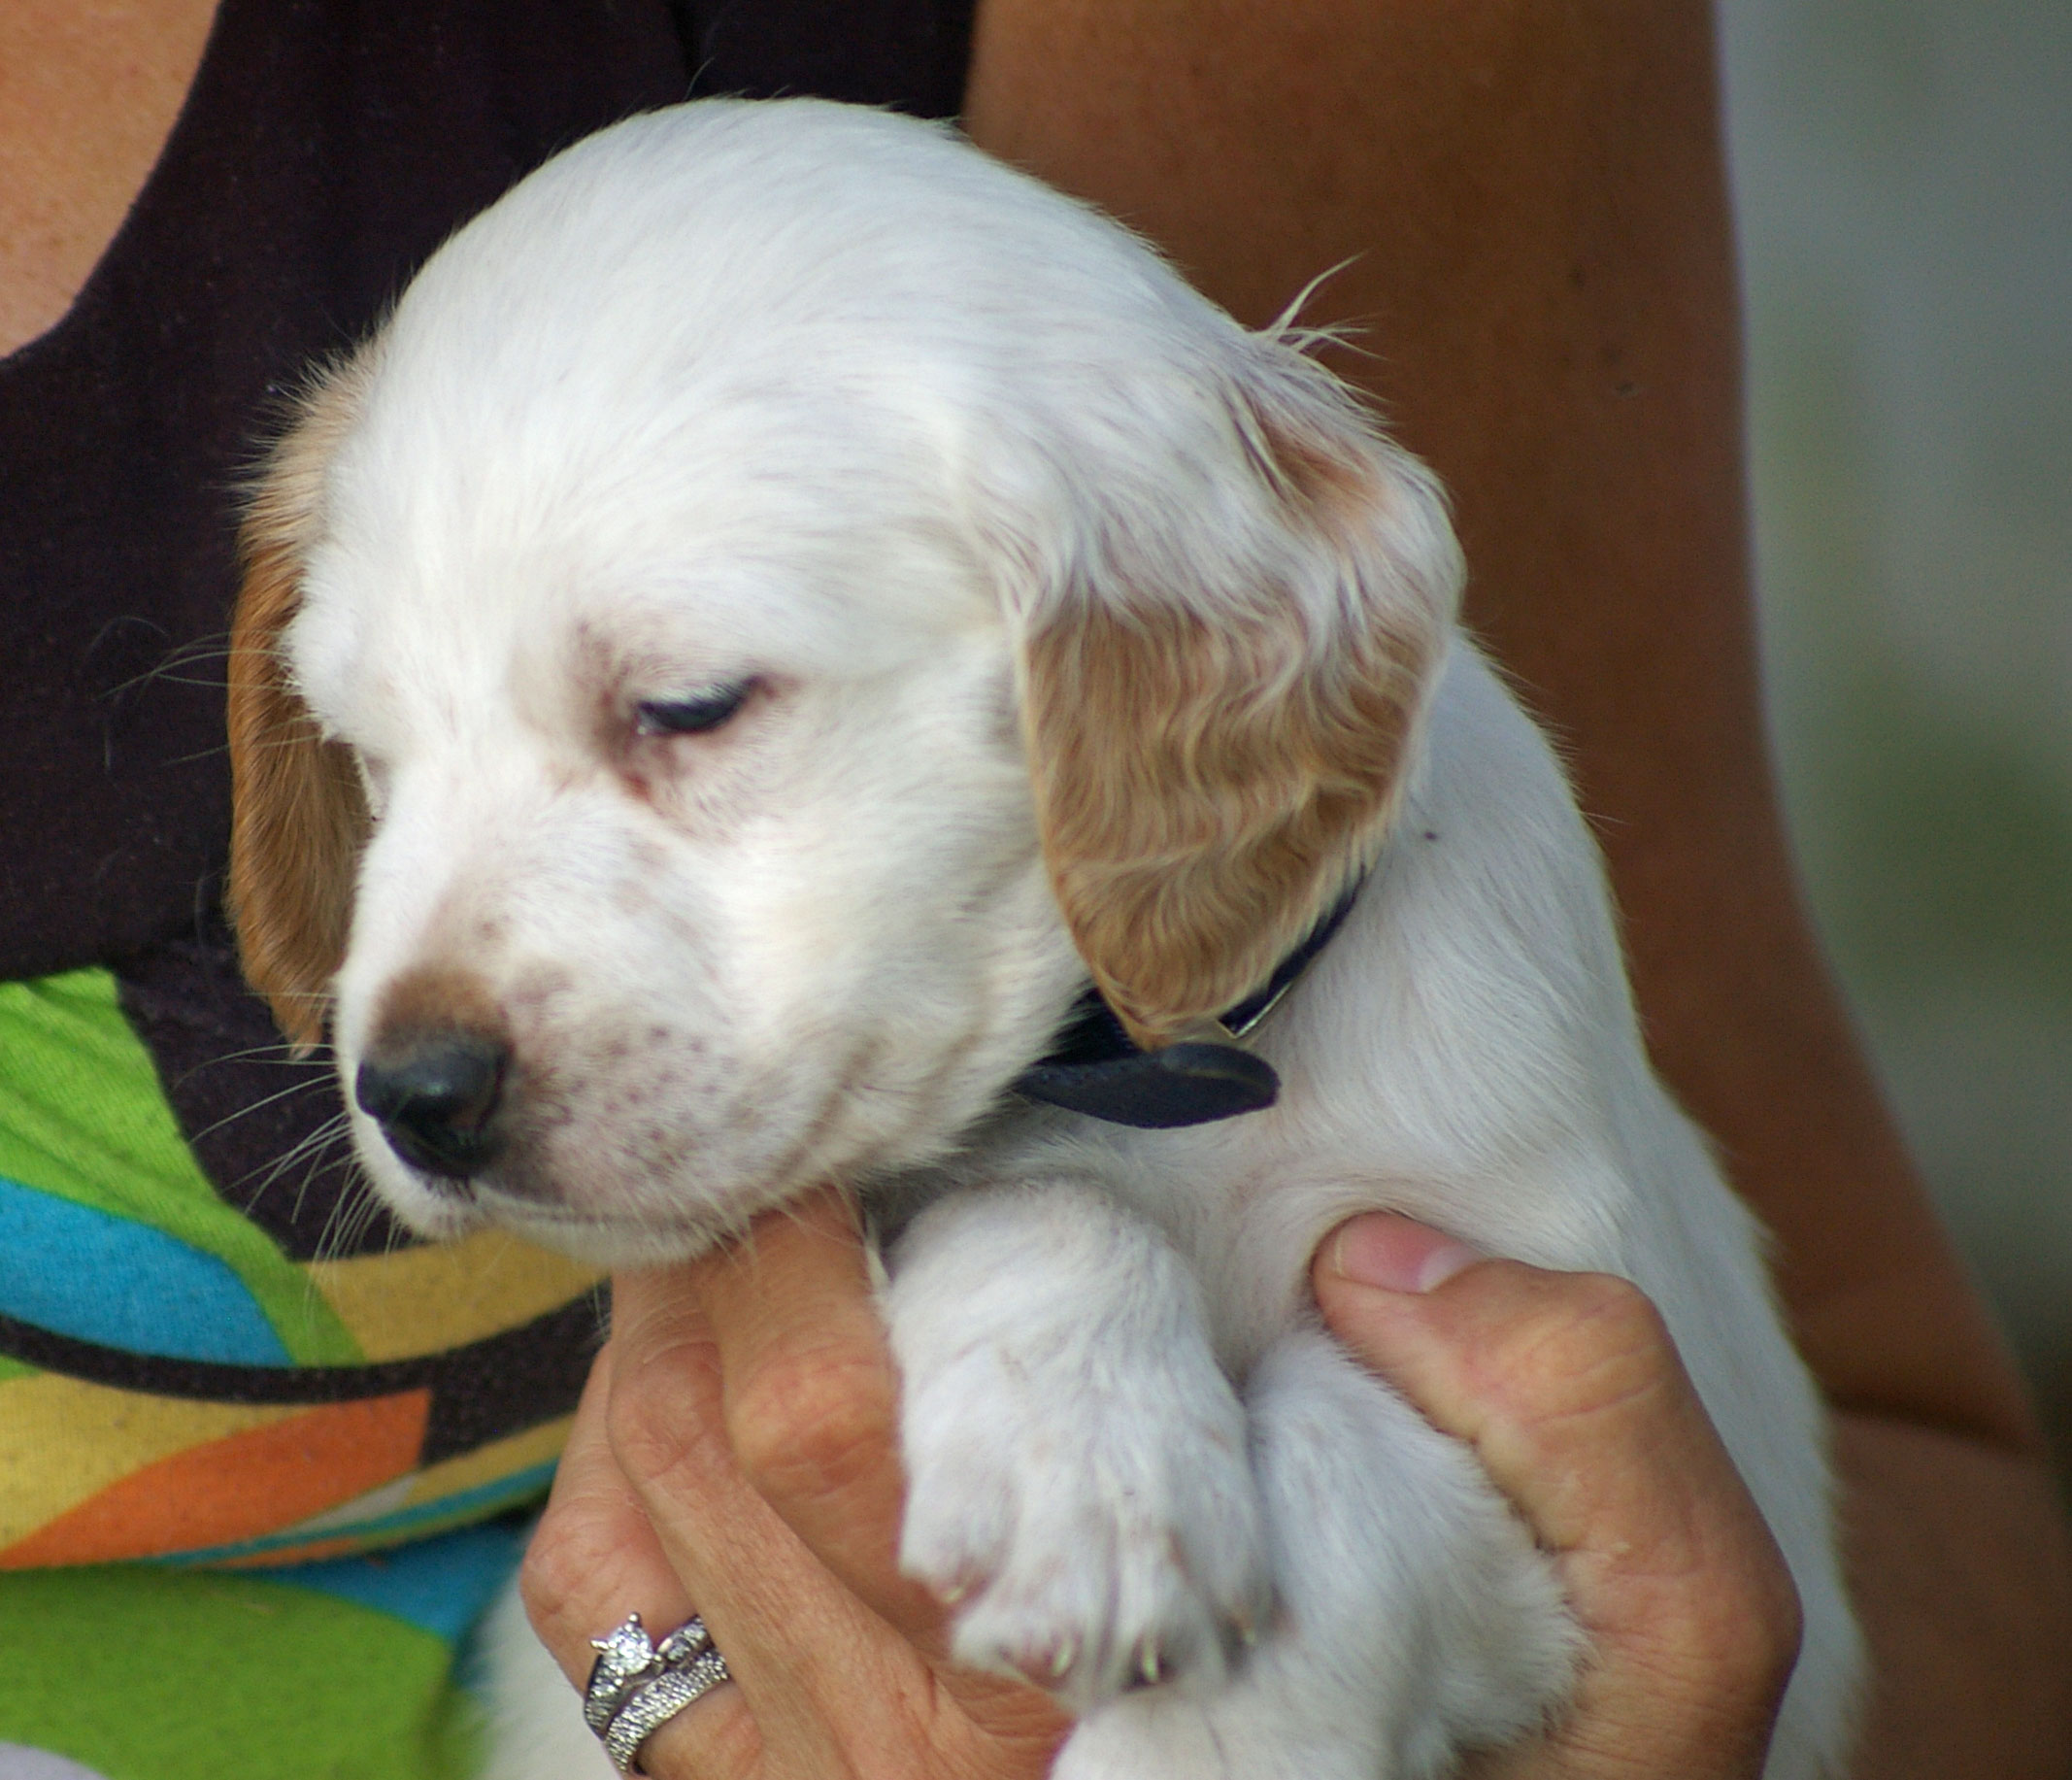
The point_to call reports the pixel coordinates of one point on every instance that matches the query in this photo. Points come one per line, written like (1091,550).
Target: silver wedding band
(637,1687)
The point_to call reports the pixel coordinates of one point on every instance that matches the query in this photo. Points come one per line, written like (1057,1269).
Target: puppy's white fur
(824,401)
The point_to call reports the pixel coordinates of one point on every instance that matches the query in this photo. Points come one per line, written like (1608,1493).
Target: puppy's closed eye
(694,713)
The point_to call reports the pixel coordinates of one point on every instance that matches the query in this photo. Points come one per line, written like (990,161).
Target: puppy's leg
(535,1729)
(1415,1616)
(1077,1469)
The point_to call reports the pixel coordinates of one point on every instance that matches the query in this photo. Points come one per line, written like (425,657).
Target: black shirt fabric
(327,147)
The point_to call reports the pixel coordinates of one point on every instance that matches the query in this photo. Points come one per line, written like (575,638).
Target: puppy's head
(784,601)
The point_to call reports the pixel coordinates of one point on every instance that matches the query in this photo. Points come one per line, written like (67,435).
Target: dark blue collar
(1097,1069)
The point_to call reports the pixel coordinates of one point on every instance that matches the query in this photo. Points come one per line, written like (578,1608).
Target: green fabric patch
(212,1675)
(82,1116)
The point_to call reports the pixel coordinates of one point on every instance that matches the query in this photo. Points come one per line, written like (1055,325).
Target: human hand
(736,1455)
(1571,1392)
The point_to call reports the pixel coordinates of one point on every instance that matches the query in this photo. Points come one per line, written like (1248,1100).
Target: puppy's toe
(1124,1550)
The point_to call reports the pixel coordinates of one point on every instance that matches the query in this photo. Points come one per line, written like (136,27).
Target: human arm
(1544,275)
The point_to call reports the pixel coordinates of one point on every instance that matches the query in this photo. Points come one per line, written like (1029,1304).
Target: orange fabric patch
(242,1487)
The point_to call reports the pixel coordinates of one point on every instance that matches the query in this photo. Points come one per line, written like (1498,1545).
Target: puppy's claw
(1061,1662)
(1148,1666)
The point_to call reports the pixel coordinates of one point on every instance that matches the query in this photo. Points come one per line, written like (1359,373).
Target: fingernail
(1398,1254)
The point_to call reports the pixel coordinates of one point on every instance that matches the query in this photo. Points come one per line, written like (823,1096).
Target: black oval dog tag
(1184,1084)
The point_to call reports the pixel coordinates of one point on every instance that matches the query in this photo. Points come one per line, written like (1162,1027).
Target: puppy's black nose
(436,1096)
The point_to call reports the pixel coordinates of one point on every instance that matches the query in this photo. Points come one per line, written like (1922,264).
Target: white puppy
(786,602)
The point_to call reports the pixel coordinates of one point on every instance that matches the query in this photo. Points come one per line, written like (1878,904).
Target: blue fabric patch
(85,1273)
(443,1585)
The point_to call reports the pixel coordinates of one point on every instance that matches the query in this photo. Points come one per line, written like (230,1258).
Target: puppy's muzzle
(436,1096)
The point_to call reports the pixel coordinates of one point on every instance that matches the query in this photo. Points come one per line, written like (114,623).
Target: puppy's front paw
(1096,1533)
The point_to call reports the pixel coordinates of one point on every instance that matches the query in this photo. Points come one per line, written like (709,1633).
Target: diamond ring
(637,1686)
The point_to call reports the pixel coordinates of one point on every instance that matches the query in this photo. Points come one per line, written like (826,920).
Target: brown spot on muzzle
(436,999)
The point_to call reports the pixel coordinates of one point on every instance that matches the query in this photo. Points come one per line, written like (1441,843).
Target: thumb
(1570,1390)
(1545,1374)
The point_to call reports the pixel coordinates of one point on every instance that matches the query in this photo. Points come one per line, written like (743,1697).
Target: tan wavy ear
(1219,725)
(298,815)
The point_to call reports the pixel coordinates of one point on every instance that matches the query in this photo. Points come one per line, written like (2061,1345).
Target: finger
(594,1559)
(812,1406)
(823,1675)
(796,1644)
(810,1397)
(1570,1390)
